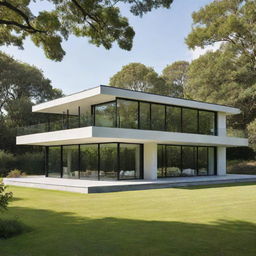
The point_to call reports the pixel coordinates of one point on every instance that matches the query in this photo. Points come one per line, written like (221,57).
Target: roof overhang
(104,93)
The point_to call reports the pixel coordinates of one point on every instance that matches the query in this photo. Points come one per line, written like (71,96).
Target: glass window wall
(105,114)
(127,114)
(189,120)
(206,122)
(54,162)
(145,116)
(173,119)
(70,160)
(157,117)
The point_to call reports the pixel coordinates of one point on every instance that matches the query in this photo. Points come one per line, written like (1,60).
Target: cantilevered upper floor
(105,113)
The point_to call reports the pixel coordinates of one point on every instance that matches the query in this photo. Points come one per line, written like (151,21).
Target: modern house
(108,133)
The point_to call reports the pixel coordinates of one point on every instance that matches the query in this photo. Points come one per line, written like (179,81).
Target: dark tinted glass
(202,161)
(160,161)
(189,165)
(127,114)
(129,165)
(206,122)
(173,161)
(54,161)
(89,161)
(173,119)
(108,161)
(189,120)
(158,117)
(144,116)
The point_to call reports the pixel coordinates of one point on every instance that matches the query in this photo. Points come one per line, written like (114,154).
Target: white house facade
(108,133)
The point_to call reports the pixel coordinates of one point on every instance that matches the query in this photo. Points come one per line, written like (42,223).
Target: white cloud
(194,54)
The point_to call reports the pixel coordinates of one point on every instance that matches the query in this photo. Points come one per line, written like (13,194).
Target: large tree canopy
(229,21)
(138,77)
(100,21)
(21,86)
(175,76)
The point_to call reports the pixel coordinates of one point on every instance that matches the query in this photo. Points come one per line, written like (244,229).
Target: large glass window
(211,161)
(108,161)
(105,114)
(158,117)
(189,120)
(54,162)
(89,161)
(127,113)
(130,161)
(189,166)
(206,122)
(173,119)
(160,161)
(202,161)
(173,161)
(70,161)
(144,116)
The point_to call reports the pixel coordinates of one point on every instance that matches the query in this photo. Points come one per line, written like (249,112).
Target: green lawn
(207,221)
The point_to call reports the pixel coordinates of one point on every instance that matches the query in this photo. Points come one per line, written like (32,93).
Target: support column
(222,124)
(150,161)
(221,161)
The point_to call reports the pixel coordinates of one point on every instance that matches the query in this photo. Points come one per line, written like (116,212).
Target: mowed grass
(208,221)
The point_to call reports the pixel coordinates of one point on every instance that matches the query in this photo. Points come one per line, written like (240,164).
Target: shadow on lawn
(238,184)
(65,234)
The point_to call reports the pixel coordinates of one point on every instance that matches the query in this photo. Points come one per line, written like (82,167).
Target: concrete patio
(94,186)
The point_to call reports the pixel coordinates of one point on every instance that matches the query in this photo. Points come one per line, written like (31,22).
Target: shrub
(10,228)
(238,167)
(15,174)
(4,197)
(7,162)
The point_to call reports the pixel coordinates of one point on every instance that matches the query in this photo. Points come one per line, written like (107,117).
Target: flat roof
(104,93)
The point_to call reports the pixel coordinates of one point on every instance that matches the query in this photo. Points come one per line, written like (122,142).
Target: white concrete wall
(150,161)
(221,119)
(221,161)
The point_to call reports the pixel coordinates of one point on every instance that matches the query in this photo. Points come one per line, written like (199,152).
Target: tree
(137,76)
(100,21)
(252,134)
(175,76)
(21,86)
(230,21)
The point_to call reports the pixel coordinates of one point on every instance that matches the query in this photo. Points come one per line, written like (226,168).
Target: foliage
(4,197)
(230,21)
(137,76)
(241,167)
(100,21)
(252,134)
(175,76)
(10,228)
(30,162)
(16,173)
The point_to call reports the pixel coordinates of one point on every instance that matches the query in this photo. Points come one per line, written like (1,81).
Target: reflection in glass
(127,113)
(189,161)
(158,117)
(54,161)
(105,114)
(206,122)
(108,161)
(173,161)
(130,164)
(173,119)
(160,161)
(202,161)
(70,159)
(189,120)
(89,161)
(144,116)
(211,161)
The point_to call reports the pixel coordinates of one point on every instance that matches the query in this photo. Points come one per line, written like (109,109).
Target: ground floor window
(104,161)
(175,161)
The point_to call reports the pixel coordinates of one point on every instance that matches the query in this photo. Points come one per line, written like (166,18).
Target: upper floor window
(105,114)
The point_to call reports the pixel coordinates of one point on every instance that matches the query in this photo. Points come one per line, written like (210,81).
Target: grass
(197,221)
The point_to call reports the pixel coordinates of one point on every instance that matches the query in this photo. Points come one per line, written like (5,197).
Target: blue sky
(159,41)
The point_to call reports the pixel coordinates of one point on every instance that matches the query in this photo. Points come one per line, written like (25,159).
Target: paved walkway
(94,186)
